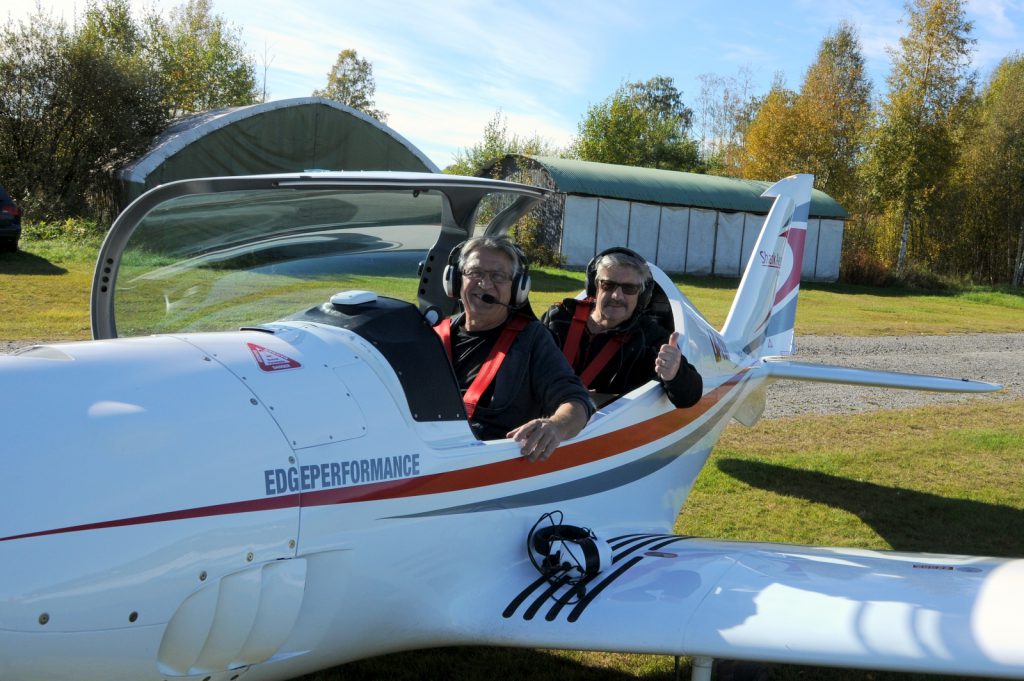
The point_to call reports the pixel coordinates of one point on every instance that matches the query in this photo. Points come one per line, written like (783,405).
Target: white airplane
(184,499)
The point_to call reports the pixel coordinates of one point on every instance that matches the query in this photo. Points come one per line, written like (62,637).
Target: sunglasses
(608,286)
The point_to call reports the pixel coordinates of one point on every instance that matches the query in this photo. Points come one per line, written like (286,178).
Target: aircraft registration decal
(560,593)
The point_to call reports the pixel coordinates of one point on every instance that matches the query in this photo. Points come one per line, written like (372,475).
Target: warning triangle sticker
(268,360)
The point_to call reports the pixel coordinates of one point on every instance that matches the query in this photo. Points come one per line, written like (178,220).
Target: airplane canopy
(216,254)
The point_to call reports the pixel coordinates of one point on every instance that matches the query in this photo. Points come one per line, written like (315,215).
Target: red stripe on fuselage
(566,456)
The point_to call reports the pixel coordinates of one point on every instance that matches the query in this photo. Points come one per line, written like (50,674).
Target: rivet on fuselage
(291,543)
(253,401)
(202,576)
(248,557)
(44,618)
(132,616)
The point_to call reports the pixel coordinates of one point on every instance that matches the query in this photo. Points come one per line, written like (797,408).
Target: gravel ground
(997,358)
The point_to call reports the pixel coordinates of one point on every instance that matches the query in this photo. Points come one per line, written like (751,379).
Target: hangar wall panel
(729,244)
(700,248)
(810,250)
(579,230)
(612,223)
(830,248)
(690,240)
(644,225)
(752,225)
(675,225)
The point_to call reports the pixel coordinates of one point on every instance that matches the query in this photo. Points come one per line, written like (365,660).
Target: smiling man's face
(613,305)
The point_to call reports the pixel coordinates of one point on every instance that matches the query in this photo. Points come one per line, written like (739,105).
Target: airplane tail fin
(764,311)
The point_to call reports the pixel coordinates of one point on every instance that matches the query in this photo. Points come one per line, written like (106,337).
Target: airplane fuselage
(225,486)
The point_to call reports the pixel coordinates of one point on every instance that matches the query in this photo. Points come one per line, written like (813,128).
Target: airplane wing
(675,595)
(779,368)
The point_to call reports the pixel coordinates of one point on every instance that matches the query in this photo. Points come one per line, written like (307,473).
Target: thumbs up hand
(666,366)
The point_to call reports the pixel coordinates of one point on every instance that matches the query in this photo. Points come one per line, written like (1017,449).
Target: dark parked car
(10,222)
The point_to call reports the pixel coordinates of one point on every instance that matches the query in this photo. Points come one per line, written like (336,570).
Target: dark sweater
(533,381)
(633,364)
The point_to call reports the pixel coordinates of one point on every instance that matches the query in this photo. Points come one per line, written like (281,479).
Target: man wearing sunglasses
(608,339)
(514,381)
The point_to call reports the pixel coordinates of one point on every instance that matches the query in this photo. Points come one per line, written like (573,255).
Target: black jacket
(633,365)
(534,379)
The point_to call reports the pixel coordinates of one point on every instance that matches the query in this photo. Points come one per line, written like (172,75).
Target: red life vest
(572,343)
(489,369)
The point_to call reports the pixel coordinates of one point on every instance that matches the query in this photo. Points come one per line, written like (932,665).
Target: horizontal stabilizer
(778,368)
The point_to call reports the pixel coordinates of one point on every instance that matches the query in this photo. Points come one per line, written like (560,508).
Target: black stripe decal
(518,600)
(673,540)
(636,547)
(636,537)
(564,599)
(592,594)
(581,594)
(535,606)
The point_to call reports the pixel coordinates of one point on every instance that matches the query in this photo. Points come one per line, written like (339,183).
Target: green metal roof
(671,187)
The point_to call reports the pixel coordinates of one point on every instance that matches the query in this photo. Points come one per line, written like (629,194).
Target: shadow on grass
(484,663)
(21,262)
(907,520)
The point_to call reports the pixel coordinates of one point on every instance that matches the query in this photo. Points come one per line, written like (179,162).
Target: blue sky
(444,67)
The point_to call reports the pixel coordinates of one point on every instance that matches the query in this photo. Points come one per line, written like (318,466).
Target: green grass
(44,290)
(44,293)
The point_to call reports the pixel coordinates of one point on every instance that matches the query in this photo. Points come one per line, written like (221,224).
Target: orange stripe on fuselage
(567,456)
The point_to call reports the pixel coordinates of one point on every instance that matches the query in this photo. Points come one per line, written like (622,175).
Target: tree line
(931,171)
(77,102)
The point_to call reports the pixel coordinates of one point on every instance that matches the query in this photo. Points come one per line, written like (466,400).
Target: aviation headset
(648,284)
(452,279)
(566,550)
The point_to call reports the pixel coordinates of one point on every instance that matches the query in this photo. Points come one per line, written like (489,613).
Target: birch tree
(833,113)
(992,169)
(915,144)
(350,82)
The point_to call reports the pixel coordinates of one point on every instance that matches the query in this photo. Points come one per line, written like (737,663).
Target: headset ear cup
(591,285)
(452,276)
(645,295)
(542,540)
(452,281)
(520,289)
(521,280)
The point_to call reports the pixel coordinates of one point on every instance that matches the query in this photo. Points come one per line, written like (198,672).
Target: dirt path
(997,358)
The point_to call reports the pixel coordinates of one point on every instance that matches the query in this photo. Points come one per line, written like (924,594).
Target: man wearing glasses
(515,382)
(609,340)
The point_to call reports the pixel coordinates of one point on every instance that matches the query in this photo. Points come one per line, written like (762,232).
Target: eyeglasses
(495,277)
(607,285)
